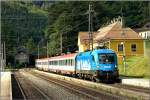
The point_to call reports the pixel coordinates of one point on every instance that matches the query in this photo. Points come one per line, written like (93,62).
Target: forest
(29,24)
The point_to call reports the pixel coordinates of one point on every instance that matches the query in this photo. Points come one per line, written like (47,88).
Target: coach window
(70,62)
(55,62)
(62,62)
(133,47)
(59,62)
(66,62)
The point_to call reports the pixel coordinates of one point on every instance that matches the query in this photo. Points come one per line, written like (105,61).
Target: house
(83,41)
(144,32)
(22,56)
(113,36)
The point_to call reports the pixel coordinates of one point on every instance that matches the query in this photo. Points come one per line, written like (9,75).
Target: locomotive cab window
(106,58)
(93,59)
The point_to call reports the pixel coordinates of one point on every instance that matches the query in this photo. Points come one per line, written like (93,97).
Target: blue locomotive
(100,64)
(97,65)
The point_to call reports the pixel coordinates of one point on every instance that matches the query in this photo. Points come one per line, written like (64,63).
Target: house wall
(83,48)
(128,52)
(113,44)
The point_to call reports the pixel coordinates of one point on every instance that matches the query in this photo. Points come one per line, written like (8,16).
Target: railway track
(17,90)
(90,93)
(27,90)
(132,92)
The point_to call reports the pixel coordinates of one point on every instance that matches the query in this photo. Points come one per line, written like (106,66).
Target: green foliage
(26,23)
(74,15)
(21,26)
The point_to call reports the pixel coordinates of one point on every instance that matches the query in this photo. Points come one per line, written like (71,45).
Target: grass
(136,67)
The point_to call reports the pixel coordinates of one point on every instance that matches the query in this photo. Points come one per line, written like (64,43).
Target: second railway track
(28,90)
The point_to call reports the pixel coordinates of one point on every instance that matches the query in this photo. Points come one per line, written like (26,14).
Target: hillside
(25,23)
(22,26)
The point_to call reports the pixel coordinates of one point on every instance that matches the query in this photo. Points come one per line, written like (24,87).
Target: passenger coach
(64,64)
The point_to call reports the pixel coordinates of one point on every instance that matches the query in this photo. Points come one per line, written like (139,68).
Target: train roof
(68,56)
(73,55)
(96,51)
(103,51)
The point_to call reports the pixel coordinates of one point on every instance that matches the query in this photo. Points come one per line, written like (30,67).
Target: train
(97,65)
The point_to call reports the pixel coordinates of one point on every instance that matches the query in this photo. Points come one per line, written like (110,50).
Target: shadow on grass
(130,76)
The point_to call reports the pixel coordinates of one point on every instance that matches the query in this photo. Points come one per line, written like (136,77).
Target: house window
(120,47)
(133,47)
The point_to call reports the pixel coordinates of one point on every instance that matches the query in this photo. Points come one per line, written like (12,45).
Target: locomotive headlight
(97,66)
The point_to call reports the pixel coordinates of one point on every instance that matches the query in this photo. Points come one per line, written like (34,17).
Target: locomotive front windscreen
(106,58)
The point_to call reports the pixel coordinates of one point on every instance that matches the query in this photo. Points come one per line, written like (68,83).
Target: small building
(144,32)
(22,57)
(113,36)
(83,41)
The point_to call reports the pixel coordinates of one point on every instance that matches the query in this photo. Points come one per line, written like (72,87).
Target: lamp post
(47,49)
(124,56)
(39,48)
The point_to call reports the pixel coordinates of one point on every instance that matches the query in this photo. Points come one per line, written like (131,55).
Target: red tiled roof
(113,31)
(60,57)
(84,36)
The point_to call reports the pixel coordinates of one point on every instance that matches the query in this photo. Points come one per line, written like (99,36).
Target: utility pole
(4,47)
(90,27)
(47,48)
(123,35)
(38,51)
(0,54)
(61,36)
(2,60)
(61,43)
